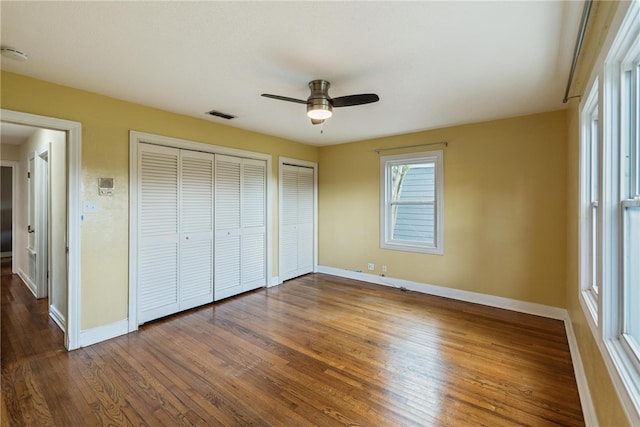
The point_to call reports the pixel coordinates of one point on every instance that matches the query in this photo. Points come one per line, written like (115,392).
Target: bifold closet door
(158,232)
(196,229)
(240,225)
(254,225)
(296,223)
(175,223)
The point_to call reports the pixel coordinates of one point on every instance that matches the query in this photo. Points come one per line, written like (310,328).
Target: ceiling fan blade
(316,122)
(349,100)
(284,98)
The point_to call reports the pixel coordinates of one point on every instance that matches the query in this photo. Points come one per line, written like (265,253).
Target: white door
(227,223)
(196,229)
(158,232)
(42,215)
(38,223)
(296,221)
(253,214)
(31,225)
(240,223)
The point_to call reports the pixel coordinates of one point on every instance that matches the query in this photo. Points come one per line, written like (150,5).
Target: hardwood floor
(317,350)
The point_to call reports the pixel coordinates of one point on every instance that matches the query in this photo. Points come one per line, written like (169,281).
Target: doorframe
(306,164)
(74,211)
(42,219)
(14,202)
(135,139)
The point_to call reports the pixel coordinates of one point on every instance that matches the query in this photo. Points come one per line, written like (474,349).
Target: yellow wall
(504,209)
(606,402)
(105,153)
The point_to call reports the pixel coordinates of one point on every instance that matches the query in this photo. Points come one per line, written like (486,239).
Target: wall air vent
(220,114)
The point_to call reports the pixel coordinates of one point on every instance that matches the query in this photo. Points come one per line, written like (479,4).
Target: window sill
(412,248)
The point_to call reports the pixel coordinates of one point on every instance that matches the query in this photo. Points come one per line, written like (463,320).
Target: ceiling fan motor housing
(319,103)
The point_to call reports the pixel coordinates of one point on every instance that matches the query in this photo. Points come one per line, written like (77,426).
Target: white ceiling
(433,64)
(11,133)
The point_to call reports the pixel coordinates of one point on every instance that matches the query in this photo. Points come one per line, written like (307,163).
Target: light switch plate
(90,206)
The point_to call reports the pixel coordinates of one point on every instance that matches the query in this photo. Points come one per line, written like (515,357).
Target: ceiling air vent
(220,114)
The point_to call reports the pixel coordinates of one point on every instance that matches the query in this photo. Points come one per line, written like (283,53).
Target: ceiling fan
(320,104)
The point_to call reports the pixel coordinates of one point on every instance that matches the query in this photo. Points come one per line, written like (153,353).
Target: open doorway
(7,195)
(38,234)
(45,215)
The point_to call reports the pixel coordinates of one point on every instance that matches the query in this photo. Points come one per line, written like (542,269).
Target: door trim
(135,138)
(301,163)
(74,181)
(42,219)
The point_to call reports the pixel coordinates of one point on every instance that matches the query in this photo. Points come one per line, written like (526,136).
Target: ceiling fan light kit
(320,105)
(319,109)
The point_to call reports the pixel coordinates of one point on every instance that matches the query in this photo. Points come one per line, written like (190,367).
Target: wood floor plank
(316,351)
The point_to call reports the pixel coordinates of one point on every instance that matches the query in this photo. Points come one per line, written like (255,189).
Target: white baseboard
(457,294)
(103,333)
(588,410)
(58,317)
(28,282)
(275,281)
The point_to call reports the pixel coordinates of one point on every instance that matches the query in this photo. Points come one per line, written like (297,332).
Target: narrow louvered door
(253,216)
(305,221)
(158,229)
(196,229)
(296,222)
(289,222)
(227,280)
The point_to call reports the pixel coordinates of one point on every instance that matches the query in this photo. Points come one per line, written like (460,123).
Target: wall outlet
(371,266)
(384,268)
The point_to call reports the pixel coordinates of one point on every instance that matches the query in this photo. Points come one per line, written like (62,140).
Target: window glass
(411,202)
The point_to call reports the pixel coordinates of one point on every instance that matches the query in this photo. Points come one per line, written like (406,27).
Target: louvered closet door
(240,223)
(296,223)
(196,229)
(158,228)
(253,261)
(227,227)
(305,221)
(289,223)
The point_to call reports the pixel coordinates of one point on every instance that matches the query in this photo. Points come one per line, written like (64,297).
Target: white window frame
(629,186)
(630,133)
(589,208)
(621,46)
(386,162)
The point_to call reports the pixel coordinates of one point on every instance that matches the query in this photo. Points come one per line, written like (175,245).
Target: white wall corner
(57,317)
(102,333)
(588,410)
(27,281)
(275,281)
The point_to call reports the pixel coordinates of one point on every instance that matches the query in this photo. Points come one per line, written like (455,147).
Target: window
(590,173)
(411,202)
(630,200)
(610,206)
